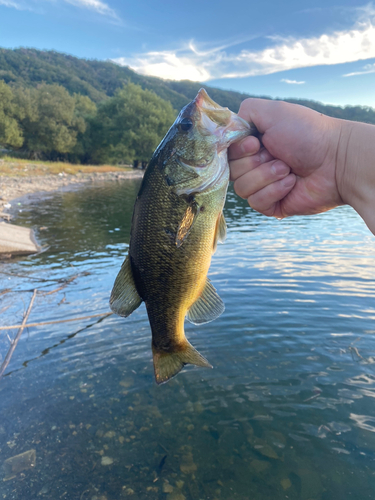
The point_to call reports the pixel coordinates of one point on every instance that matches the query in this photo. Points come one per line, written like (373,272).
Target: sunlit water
(287,412)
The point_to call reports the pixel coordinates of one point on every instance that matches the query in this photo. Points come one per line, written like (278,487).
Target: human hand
(295,172)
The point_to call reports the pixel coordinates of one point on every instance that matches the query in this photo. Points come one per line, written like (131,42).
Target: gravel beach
(15,187)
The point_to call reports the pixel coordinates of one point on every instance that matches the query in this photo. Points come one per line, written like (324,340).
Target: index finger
(246,147)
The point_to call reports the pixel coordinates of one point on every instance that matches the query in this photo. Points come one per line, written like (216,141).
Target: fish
(177,222)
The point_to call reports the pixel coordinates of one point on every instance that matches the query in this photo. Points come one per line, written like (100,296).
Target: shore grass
(14,167)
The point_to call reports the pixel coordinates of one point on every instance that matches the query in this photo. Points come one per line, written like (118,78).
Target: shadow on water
(287,411)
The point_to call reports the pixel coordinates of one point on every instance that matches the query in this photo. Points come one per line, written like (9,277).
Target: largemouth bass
(177,222)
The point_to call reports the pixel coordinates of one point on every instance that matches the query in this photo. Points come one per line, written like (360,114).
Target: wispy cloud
(282,54)
(95,5)
(291,82)
(14,5)
(369,68)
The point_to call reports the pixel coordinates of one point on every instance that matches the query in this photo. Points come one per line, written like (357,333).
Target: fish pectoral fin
(124,296)
(168,364)
(208,307)
(186,223)
(221,231)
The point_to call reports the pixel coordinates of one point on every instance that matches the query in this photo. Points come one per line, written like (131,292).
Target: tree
(51,120)
(10,132)
(84,112)
(130,125)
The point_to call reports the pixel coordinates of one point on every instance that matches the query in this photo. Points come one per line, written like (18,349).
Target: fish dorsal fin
(124,297)
(221,231)
(186,223)
(208,307)
(168,364)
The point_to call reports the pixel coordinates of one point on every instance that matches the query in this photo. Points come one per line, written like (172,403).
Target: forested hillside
(57,106)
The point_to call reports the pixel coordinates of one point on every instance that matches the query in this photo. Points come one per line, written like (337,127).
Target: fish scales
(177,221)
(168,279)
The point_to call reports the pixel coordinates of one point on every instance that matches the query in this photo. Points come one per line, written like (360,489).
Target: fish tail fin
(168,364)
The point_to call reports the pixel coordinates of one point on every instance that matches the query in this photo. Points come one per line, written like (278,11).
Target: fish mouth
(220,122)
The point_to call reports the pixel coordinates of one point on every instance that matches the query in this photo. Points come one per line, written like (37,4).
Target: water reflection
(287,410)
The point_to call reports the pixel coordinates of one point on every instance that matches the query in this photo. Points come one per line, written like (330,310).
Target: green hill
(100,79)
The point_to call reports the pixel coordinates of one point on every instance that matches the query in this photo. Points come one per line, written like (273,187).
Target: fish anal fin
(168,364)
(221,231)
(207,307)
(124,296)
(186,223)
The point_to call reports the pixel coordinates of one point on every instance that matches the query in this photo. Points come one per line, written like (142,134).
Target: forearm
(355,168)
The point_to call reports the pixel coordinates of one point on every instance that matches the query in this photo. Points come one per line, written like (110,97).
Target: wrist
(355,168)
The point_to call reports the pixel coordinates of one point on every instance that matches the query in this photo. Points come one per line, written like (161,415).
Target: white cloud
(14,5)
(282,54)
(167,65)
(292,82)
(369,68)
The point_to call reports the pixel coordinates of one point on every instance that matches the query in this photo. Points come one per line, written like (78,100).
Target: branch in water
(18,336)
(13,327)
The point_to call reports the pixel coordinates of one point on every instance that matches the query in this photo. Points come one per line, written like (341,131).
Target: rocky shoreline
(12,188)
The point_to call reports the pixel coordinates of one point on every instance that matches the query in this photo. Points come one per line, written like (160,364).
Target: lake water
(288,411)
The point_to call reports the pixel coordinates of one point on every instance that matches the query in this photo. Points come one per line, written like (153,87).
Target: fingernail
(279,168)
(288,181)
(243,147)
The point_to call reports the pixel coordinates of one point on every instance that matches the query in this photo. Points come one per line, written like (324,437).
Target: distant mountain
(100,79)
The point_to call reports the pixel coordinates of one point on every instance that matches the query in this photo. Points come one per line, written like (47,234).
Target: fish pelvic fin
(168,364)
(124,297)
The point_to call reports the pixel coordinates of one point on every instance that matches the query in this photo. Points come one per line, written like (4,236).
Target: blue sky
(323,51)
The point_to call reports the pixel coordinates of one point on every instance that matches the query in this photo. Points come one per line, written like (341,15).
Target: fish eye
(185,124)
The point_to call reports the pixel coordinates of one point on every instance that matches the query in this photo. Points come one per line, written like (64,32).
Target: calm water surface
(287,412)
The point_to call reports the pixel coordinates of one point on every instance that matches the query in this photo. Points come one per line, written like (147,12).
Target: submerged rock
(19,463)
(286,483)
(107,460)
(260,465)
(311,486)
(187,465)
(110,434)
(176,496)
(167,488)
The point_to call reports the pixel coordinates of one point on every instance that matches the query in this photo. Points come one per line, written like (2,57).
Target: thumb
(263,112)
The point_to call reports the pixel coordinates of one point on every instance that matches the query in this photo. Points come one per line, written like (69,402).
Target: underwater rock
(311,486)
(198,407)
(176,496)
(127,491)
(276,439)
(106,460)
(110,434)
(18,463)
(187,465)
(167,488)
(265,449)
(286,483)
(127,382)
(260,465)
